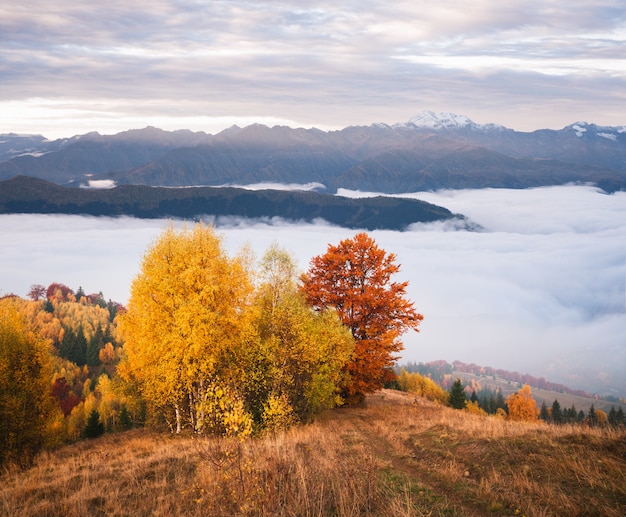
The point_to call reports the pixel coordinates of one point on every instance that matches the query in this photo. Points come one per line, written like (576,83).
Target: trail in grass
(366,425)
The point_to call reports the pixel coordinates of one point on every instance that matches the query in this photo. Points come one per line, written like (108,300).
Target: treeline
(517,406)
(442,372)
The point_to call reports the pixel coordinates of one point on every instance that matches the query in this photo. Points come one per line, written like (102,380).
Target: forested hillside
(30,195)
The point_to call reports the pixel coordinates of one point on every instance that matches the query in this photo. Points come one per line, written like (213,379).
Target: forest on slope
(30,195)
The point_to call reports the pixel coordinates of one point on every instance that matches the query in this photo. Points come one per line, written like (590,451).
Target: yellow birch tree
(188,314)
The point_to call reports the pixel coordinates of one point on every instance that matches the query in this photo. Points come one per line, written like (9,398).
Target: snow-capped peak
(442,120)
(609,132)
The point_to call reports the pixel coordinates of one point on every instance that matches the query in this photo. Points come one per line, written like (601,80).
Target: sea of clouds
(540,289)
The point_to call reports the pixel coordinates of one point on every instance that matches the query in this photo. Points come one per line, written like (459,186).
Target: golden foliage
(26,410)
(422,386)
(522,406)
(474,408)
(187,315)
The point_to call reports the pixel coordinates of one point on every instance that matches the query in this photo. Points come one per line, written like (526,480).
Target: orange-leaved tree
(522,405)
(355,278)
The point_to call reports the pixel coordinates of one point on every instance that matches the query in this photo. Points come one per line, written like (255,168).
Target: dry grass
(392,456)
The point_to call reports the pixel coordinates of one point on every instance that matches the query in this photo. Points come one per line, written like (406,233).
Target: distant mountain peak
(608,132)
(447,120)
(441,120)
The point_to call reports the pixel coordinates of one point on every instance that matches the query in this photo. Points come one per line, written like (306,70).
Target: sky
(540,290)
(70,67)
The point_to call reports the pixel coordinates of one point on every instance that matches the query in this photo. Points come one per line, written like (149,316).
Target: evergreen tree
(99,301)
(94,427)
(124,419)
(613,417)
(572,415)
(474,397)
(591,417)
(543,412)
(113,307)
(73,346)
(457,395)
(67,343)
(48,306)
(557,414)
(500,402)
(620,416)
(92,356)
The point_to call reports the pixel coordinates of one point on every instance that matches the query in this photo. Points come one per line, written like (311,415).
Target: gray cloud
(540,290)
(524,64)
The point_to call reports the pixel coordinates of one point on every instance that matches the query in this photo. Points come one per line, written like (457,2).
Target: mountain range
(431,151)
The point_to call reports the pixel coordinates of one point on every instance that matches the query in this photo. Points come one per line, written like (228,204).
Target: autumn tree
(522,406)
(25,401)
(422,386)
(58,291)
(355,278)
(37,292)
(187,321)
(302,352)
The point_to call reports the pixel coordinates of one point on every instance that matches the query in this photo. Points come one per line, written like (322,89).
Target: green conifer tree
(591,417)
(94,427)
(557,414)
(92,354)
(457,395)
(124,419)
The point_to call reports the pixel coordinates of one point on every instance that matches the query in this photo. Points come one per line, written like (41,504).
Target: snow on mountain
(610,133)
(447,120)
(432,120)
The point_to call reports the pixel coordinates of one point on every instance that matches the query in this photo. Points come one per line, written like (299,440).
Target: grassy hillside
(393,455)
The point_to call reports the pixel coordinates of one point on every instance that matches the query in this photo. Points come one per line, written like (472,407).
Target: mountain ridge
(24,194)
(431,151)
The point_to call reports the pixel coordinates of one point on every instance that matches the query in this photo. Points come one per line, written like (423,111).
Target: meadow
(393,455)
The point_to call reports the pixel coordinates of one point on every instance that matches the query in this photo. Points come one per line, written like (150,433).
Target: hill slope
(31,195)
(394,455)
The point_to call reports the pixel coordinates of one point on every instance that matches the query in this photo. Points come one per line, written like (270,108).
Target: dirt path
(393,451)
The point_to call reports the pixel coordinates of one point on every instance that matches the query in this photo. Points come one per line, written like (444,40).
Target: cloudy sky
(541,290)
(68,67)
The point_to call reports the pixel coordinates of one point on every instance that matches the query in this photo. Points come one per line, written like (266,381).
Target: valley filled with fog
(539,289)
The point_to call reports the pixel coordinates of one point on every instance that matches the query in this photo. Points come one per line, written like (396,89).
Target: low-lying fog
(540,290)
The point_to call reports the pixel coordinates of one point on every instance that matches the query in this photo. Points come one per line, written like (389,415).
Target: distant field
(394,455)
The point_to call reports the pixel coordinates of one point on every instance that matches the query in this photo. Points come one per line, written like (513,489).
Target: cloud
(541,289)
(527,65)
